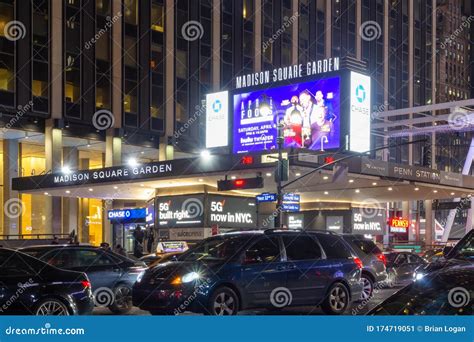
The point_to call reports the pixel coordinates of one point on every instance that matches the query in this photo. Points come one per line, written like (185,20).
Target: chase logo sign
(217,106)
(360,93)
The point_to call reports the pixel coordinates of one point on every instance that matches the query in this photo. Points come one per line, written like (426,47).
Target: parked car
(111,275)
(29,286)
(373,259)
(400,267)
(254,269)
(444,292)
(461,254)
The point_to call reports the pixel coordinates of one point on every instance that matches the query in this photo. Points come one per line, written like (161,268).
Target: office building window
(72,61)
(40,66)
(7,59)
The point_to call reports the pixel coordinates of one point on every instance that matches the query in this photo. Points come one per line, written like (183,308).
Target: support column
(328,29)
(83,210)
(113,150)
(358,25)
(258,35)
(70,204)
(411,70)
(429,222)
(12,206)
(165,151)
(406,213)
(53,153)
(294,31)
(216,44)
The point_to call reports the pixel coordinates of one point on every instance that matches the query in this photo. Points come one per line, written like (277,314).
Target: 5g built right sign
(359,114)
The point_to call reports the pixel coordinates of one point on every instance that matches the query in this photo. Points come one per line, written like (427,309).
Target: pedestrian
(55,240)
(120,250)
(105,246)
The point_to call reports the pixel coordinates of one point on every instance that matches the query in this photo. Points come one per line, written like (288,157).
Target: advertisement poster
(309,111)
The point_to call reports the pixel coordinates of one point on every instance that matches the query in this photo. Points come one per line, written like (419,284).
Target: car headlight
(189,277)
(418,276)
(140,276)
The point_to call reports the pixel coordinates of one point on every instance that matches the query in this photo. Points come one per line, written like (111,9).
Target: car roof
(57,246)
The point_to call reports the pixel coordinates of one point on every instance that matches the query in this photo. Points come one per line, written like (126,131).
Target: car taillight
(358,262)
(86,284)
(382,258)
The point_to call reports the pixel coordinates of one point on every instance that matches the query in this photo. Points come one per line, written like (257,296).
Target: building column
(83,210)
(429,222)
(386,42)
(113,157)
(294,31)
(70,204)
(165,150)
(53,154)
(216,44)
(328,29)
(358,44)
(258,36)
(411,70)
(12,205)
(406,214)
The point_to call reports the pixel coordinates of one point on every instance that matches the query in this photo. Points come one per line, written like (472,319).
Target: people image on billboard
(309,113)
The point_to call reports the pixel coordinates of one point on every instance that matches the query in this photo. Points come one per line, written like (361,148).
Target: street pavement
(358,308)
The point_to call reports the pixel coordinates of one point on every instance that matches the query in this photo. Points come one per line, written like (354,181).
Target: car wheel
(223,302)
(337,300)
(51,307)
(367,287)
(122,300)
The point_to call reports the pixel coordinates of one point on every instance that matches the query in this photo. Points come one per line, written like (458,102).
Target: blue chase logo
(217,106)
(360,93)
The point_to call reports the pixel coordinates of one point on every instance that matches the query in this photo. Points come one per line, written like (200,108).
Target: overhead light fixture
(233,177)
(416,189)
(374,183)
(357,191)
(351,181)
(268,174)
(132,162)
(201,180)
(68,192)
(66,169)
(390,189)
(297,174)
(435,191)
(46,193)
(452,194)
(142,184)
(325,177)
(90,189)
(326,193)
(115,187)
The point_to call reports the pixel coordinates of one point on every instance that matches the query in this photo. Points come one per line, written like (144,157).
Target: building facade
(91,84)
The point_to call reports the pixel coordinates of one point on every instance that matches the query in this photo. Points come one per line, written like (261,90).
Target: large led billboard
(309,111)
(217,117)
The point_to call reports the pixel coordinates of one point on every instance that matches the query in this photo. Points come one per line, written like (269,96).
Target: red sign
(399,224)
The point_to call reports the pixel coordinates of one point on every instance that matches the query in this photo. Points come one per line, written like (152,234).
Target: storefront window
(94,221)
(35,218)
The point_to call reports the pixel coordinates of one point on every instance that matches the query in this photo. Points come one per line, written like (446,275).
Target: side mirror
(447,249)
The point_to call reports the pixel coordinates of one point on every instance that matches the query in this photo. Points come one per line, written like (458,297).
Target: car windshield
(431,296)
(217,248)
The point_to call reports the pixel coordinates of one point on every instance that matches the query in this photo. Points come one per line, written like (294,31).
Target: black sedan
(461,254)
(29,286)
(445,292)
(111,275)
(401,267)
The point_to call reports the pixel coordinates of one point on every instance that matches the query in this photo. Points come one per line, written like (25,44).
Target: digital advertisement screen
(309,111)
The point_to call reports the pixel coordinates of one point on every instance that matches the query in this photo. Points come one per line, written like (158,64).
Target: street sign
(291,207)
(266,197)
(291,197)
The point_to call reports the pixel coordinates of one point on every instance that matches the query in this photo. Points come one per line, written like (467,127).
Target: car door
(102,271)
(262,271)
(305,268)
(402,267)
(18,277)
(414,261)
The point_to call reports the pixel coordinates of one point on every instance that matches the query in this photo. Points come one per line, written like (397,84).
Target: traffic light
(239,184)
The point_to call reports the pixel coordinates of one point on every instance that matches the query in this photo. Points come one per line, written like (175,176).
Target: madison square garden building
(103,108)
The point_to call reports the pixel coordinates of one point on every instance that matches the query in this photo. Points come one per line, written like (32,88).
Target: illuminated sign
(399,225)
(287,73)
(126,214)
(266,197)
(217,119)
(368,221)
(359,135)
(309,111)
(295,221)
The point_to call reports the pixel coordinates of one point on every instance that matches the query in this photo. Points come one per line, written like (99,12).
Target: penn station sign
(287,73)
